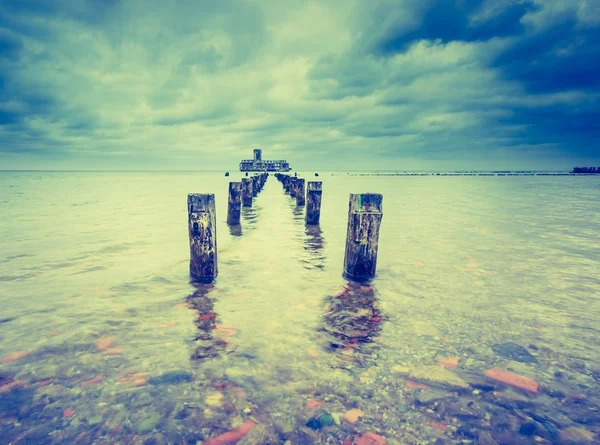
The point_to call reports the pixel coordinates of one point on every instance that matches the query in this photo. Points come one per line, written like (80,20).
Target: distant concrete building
(259,165)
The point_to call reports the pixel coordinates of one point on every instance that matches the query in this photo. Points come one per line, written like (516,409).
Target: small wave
(14,257)
(17,277)
(91,269)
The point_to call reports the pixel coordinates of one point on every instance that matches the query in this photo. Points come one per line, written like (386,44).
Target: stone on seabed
(233,436)
(431,374)
(514,380)
(104,343)
(576,436)
(514,351)
(13,356)
(214,399)
(438,374)
(353,416)
(448,362)
(370,439)
(313,404)
(260,435)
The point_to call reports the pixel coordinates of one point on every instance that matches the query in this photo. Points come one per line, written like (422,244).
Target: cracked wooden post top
(202,225)
(365,213)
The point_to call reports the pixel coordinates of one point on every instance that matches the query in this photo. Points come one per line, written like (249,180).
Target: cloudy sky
(348,84)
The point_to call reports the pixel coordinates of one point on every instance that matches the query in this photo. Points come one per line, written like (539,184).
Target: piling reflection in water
(209,343)
(352,318)
(297,211)
(313,247)
(250,216)
(235,229)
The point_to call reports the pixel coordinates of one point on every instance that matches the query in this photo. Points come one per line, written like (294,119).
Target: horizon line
(299,170)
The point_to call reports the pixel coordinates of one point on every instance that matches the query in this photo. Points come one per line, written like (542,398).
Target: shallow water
(104,340)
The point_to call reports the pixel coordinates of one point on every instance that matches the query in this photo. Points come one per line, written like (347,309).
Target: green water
(104,340)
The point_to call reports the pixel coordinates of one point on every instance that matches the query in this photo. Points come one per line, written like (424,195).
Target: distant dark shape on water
(514,352)
(587,170)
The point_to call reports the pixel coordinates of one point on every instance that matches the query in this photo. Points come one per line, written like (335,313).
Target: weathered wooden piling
(247,192)
(314,190)
(364,219)
(202,227)
(254,185)
(300,196)
(292,187)
(234,203)
(286,183)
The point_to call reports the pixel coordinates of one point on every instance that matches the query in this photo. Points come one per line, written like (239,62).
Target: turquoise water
(104,340)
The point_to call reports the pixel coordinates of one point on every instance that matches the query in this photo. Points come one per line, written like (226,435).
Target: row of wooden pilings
(365,214)
(295,187)
(202,224)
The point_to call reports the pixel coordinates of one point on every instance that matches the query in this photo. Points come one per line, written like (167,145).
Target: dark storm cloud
(450,20)
(448,80)
(562,57)
(91,12)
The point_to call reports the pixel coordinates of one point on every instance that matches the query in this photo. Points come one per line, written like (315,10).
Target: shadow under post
(209,338)
(352,320)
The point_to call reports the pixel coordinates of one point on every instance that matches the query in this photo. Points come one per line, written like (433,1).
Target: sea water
(104,340)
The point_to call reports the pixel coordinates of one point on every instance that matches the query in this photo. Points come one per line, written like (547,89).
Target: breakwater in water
(479,327)
(575,172)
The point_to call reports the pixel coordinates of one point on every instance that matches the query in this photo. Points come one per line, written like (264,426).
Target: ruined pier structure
(365,214)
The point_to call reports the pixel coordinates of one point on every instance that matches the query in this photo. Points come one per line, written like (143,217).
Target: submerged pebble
(171,378)
(514,351)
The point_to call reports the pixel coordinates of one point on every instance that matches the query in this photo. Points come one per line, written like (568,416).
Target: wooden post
(247,192)
(203,237)
(293,186)
(255,189)
(300,196)
(286,184)
(314,190)
(234,203)
(364,218)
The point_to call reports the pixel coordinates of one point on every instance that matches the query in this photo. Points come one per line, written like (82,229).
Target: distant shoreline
(474,174)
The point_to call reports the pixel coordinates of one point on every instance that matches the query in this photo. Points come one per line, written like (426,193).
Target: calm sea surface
(103,339)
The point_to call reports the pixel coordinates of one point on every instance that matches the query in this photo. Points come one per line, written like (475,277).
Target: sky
(337,84)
